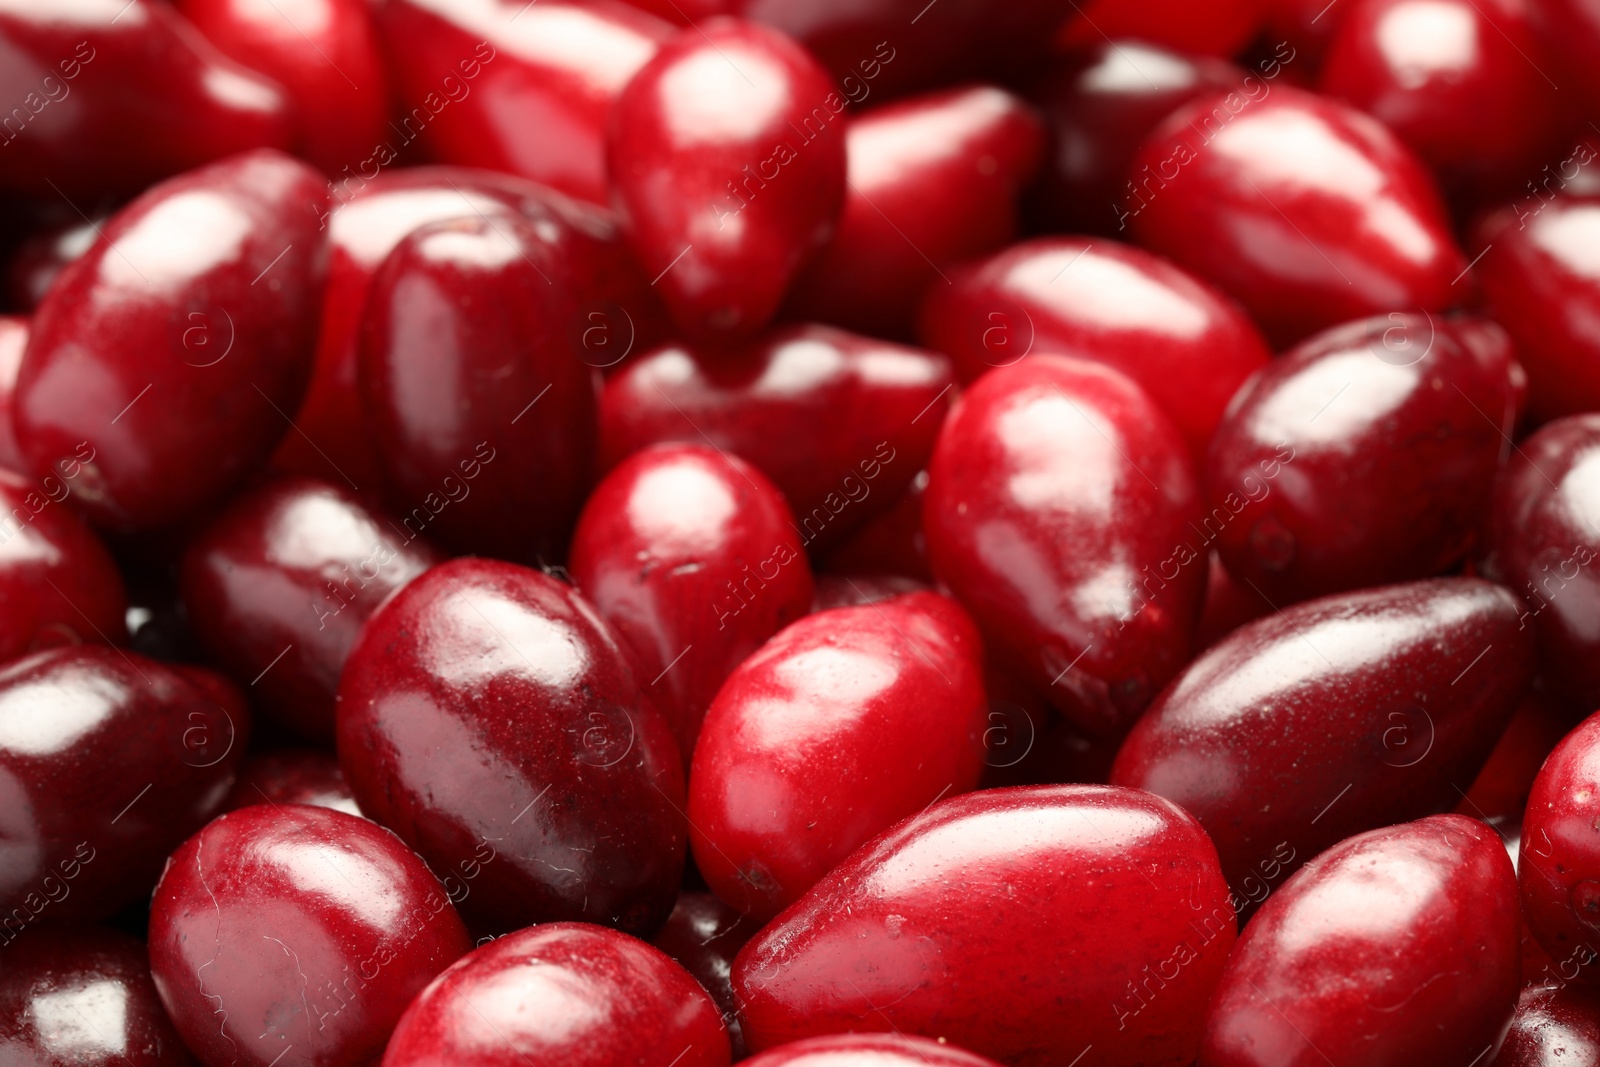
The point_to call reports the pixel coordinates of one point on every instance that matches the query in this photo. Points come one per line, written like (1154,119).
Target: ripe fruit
(1332,717)
(150,97)
(1397,946)
(692,557)
(932,180)
(1560,861)
(844,723)
(483,418)
(703,935)
(1031,925)
(1539,279)
(869,1050)
(513,87)
(1459,81)
(1181,341)
(1542,529)
(167,361)
(58,583)
(727,161)
(1362,457)
(1058,511)
(277,588)
(1306,211)
(292,776)
(83,995)
(490,718)
(561,993)
(109,760)
(325,55)
(294,935)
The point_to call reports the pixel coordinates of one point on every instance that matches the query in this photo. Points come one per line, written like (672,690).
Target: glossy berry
(1539,275)
(325,55)
(81,996)
(1541,543)
(1553,1027)
(277,588)
(110,760)
(477,310)
(932,180)
(727,160)
(703,935)
(166,362)
(1333,716)
(561,993)
(292,776)
(1362,457)
(1397,946)
(150,97)
(692,556)
(841,423)
(1569,31)
(1458,81)
(527,90)
(841,725)
(1115,921)
(296,935)
(1058,512)
(1560,861)
(58,583)
(1306,211)
(1185,344)
(491,719)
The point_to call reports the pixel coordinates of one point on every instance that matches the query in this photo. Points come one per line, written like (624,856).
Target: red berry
(1397,946)
(693,558)
(278,586)
(1306,211)
(1333,717)
(727,161)
(842,724)
(166,363)
(490,718)
(1032,925)
(295,935)
(109,760)
(567,993)
(1057,498)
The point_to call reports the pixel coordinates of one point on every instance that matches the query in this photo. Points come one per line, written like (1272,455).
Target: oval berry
(490,718)
(278,585)
(82,997)
(1554,1027)
(295,936)
(703,935)
(1305,210)
(1397,946)
(692,557)
(1559,867)
(483,418)
(869,1050)
(840,422)
(842,724)
(181,342)
(1332,717)
(1018,923)
(931,180)
(561,993)
(727,159)
(1542,540)
(1362,457)
(107,761)
(1058,511)
(292,776)
(523,89)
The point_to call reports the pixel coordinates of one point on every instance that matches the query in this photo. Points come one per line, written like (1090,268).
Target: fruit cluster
(828,533)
